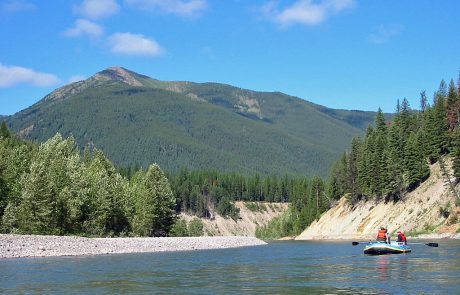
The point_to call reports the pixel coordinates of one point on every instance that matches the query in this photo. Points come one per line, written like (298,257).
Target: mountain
(137,120)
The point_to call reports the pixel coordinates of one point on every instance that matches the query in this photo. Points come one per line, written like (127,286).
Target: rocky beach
(15,246)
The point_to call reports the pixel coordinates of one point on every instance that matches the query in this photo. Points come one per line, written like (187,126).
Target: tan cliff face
(246,225)
(419,211)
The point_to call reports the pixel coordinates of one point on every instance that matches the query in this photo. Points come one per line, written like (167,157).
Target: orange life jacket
(382,235)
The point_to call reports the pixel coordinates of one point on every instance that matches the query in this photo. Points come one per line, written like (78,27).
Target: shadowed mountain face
(137,120)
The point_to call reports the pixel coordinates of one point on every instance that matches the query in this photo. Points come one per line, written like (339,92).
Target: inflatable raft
(379,248)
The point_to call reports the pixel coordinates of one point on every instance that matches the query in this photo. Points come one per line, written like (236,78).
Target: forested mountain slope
(137,120)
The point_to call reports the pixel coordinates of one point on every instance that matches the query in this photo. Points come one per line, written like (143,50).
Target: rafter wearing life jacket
(402,237)
(382,235)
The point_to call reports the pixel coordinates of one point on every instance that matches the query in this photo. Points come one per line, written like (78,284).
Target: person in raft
(383,235)
(402,237)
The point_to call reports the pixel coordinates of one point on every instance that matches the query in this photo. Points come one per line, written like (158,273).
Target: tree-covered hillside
(393,158)
(137,120)
(53,188)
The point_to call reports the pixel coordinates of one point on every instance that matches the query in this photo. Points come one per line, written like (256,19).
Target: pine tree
(456,153)
(352,169)
(416,168)
(155,212)
(453,106)
(38,210)
(380,124)
(365,165)
(436,127)
(46,187)
(4,132)
(423,101)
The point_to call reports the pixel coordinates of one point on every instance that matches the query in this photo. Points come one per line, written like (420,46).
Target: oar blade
(432,244)
(355,243)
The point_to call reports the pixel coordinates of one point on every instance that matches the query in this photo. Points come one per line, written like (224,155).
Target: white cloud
(306,12)
(16,5)
(134,44)
(85,27)
(13,75)
(180,7)
(96,9)
(76,78)
(384,33)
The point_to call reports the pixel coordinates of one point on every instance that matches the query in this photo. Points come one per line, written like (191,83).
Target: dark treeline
(309,200)
(394,158)
(52,189)
(204,192)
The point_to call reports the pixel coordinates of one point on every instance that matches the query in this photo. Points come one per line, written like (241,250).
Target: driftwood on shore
(12,246)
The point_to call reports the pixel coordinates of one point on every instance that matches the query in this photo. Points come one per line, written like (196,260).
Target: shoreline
(20,246)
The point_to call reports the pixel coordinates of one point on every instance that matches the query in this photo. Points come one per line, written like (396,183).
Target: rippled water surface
(290,267)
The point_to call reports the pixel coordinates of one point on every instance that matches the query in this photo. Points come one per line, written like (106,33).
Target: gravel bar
(12,246)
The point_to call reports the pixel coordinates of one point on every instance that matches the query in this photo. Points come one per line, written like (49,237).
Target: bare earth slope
(246,225)
(418,212)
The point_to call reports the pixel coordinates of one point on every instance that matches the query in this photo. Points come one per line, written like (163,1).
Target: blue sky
(346,54)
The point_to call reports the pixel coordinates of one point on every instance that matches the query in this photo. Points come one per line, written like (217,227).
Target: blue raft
(380,248)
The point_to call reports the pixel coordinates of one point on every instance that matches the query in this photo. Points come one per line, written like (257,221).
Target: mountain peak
(119,74)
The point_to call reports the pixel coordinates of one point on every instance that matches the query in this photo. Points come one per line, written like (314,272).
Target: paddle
(428,244)
(357,243)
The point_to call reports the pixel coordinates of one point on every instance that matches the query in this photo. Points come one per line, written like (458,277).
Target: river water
(288,267)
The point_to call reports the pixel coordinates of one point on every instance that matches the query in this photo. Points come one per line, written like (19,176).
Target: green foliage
(416,166)
(456,153)
(4,132)
(305,207)
(195,227)
(444,211)
(228,210)
(50,189)
(179,229)
(393,160)
(206,192)
(255,206)
(281,226)
(155,204)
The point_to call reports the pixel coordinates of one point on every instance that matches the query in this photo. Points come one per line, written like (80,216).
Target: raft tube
(380,248)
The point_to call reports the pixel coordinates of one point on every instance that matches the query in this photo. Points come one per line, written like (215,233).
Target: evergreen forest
(393,158)
(55,188)
(51,188)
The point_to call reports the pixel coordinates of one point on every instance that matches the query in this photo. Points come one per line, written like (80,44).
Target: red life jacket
(403,238)
(382,235)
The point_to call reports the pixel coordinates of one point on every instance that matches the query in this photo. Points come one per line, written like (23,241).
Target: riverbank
(15,246)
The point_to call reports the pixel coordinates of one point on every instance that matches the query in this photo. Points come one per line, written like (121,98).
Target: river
(284,267)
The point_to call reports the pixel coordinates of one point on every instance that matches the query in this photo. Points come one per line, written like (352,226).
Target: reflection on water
(279,268)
